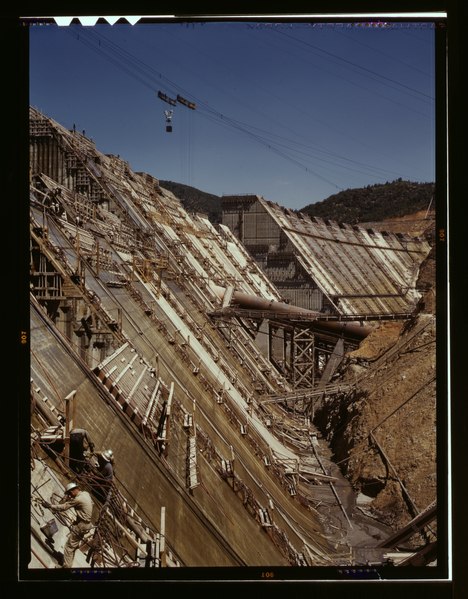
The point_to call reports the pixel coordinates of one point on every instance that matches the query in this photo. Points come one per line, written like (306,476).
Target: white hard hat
(70,487)
(107,455)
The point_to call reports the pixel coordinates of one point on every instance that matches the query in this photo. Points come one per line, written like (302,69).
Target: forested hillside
(195,200)
(374,202)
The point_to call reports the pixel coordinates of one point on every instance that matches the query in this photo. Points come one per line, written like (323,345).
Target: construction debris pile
(159,335)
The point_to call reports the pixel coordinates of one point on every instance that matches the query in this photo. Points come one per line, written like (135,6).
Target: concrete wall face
(271,249)
(123,285)
(216,460)
(333,261)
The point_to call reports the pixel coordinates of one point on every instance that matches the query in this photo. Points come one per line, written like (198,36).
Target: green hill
(195,200)
(374,202)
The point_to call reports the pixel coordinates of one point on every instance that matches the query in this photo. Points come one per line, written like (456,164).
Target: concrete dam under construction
(247,380)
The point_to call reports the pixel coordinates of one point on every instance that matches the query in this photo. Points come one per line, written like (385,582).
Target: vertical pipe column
(162,542)
(69,423)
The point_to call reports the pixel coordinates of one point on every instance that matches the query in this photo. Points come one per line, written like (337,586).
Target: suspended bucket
(50,528)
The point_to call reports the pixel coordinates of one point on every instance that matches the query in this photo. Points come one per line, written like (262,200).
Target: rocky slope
(383,432)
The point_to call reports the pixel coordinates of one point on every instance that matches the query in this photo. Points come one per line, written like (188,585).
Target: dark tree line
(365,204)
(195,200)
(374,202)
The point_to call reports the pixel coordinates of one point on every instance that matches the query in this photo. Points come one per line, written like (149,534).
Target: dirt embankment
(383,433)
(416,224)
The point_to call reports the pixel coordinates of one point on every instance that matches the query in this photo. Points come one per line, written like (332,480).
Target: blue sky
(292,112)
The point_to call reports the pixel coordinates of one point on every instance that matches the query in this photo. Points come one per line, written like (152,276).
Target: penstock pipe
(244,300)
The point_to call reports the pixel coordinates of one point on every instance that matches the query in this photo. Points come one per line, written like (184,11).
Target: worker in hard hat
(105,461)
(83,505)
(104,474)
(80,445)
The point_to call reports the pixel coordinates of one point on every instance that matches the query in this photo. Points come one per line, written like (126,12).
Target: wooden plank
(137,384)
(152,402)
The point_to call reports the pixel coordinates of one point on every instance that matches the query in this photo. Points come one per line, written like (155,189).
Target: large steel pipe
(354,329)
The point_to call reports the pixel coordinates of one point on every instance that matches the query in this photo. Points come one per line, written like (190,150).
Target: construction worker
(105,460)
(110,455)
(83,505)
(105,474)
(80,443)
